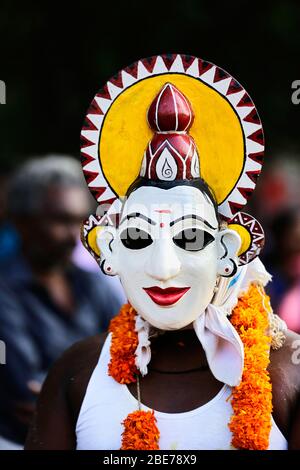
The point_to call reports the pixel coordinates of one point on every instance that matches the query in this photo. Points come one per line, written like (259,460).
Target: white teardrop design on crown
(143,167)
(195,168)
(166,168)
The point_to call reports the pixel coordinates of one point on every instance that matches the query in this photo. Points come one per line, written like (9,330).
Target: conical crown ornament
(171,154)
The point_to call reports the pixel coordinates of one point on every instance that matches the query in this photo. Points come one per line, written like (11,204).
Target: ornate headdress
(173,117)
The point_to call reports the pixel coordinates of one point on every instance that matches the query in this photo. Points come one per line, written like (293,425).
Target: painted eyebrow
(193,216)
(137,214)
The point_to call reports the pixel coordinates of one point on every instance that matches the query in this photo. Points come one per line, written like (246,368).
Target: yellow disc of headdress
(89,232)
(226,129)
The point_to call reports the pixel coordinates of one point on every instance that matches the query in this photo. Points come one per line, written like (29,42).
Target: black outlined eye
(135,239)
(193,239)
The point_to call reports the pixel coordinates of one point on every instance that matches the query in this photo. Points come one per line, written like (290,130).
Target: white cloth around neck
(220,340)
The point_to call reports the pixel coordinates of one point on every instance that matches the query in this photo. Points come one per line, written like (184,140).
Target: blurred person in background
(284,264)
(47,302)
(9,239)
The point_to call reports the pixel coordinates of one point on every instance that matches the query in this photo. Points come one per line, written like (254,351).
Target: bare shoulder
(83,354)
(54,421)
(71,373)
(285,376)
(79,363)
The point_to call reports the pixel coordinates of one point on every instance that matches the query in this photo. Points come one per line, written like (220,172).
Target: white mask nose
(163,263)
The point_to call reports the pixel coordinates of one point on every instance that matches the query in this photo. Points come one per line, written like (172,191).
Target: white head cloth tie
(143,350)
(220,340)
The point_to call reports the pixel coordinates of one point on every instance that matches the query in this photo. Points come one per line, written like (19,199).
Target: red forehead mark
(161,224)
(163,211)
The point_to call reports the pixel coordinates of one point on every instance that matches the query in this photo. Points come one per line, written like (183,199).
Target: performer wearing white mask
(196,359)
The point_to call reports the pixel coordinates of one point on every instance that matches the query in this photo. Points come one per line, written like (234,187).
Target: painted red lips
(166,297)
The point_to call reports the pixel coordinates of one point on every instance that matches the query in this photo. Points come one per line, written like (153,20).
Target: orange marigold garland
(140,431)
(252,398)
(123,345)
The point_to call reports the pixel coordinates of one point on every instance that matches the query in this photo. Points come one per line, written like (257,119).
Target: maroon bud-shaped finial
(170,111)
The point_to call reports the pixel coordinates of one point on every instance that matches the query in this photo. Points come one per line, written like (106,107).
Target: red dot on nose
(226,270)
(161,224)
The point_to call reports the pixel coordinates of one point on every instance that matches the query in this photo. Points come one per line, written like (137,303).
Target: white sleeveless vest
(107,403)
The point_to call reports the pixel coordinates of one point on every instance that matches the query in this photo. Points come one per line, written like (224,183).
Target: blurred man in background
(9,240)
(284,264)
(46,302)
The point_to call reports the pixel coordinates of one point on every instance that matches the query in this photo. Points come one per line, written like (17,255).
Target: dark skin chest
(179,378)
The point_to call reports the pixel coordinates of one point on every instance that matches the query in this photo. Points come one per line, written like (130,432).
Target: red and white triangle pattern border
(256,233)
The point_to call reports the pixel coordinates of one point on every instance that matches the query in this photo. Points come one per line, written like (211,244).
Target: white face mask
(167,252)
